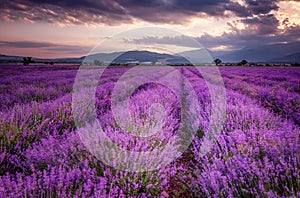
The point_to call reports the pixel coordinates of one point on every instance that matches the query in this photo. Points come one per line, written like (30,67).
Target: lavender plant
(255,155)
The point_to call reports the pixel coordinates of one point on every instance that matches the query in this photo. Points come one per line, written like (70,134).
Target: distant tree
(27,60)
(296,64)
(217,61)
(49,63)
(243,62)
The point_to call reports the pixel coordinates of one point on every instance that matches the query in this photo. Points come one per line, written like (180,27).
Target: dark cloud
(233,40)
(125,11)
(173,10)
(260,27)
(260,24)
(246,39)
(253,7)
(64,12)
(45,46)
(261,6)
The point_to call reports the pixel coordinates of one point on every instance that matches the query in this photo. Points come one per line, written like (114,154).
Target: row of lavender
(275,89)
(257,153)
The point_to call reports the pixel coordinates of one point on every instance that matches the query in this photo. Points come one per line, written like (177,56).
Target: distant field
(256,155)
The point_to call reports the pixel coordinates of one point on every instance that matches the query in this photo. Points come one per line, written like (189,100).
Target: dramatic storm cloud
(125,11)
(64,12)
(257,25)
(217,24)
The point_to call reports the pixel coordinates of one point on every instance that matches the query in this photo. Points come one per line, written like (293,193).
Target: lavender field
(257,153)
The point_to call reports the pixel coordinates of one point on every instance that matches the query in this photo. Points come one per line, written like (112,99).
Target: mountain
(285,53)
(294,58)
(288,52)
(7,58)
(143,56)
(135,56)
(67,60)
(15,59)
(197,56)
(104,57)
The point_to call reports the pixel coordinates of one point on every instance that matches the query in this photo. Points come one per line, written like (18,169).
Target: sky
(72,28)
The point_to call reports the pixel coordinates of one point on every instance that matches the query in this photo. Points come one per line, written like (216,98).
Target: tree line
(219,61)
